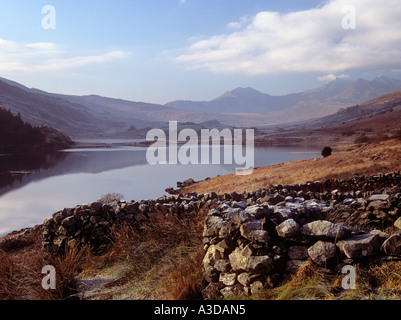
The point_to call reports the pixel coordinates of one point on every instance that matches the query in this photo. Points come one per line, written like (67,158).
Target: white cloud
(46,56)
(238,24)
(331,77)
(305,41)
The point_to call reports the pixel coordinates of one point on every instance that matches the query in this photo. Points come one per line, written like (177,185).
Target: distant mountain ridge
(306,105)
(97,116)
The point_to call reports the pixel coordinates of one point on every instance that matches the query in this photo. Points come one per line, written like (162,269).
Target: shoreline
(206,185)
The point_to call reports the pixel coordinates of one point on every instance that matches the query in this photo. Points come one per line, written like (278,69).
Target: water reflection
(33,187)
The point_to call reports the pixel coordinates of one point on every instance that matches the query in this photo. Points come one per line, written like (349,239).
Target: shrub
(111,197)
(326,152)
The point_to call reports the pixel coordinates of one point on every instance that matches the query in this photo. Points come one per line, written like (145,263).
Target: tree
(326,152)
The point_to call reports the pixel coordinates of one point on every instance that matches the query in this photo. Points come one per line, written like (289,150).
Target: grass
(159,261)
(379,282)
(358,160)
(20,271)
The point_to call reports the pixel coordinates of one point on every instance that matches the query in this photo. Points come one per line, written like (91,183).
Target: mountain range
(96,116)
(306,105)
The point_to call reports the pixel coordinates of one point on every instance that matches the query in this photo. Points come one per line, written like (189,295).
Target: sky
(163,50)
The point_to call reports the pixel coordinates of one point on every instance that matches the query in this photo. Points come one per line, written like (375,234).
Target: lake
(33,187)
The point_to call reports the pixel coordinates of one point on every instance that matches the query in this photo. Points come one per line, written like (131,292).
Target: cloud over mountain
(311,40)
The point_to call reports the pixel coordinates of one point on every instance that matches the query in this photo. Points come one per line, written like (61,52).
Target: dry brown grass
(21,267)
(358,160)
(159,261)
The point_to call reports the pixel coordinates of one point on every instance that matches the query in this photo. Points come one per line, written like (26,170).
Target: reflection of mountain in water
(17,171)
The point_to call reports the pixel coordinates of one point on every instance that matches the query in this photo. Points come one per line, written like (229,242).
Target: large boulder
(211,256)
(361,245)
(326,229)
(259,264)
(212,226)
(322,253)
(239,258)
(253,231)
(379,197)
(243,260)
(288,228)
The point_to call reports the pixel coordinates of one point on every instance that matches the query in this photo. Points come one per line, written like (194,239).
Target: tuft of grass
(184,279)
(161,260)
(307,284)
(21,271)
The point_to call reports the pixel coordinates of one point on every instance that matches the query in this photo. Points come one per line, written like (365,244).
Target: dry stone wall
(249,246)
(255,239)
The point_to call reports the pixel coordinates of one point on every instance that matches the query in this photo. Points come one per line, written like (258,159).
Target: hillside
(374,119)
(17,136)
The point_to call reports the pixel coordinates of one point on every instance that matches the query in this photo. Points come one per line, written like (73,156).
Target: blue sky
(163,50)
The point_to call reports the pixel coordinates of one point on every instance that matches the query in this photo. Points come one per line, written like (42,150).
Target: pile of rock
(251,246)
(91,224)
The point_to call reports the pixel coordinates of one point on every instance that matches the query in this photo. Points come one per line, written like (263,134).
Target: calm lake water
(32,188)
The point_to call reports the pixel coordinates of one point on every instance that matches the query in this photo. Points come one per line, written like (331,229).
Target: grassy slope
(356,160)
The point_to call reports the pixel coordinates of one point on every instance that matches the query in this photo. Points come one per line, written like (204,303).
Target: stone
(239,258)
(298,253)
(225,247)
(360,245)
(211,256)
(397,223)
(212,226)
(378,205)
(253,231)
(211,275)
(230,291)
(259,236)
(229,212)
(322,252)
(96,206)
(68,222)
(277,198)
(246,278)
(392,246)
(379,197)
(288,228)
(222,265)
(256,286)
(327,229)
(243,216)
(382,235)
(212,291)
(258,211)
(259,264)
(228,279)
(239,204)
(282,213)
